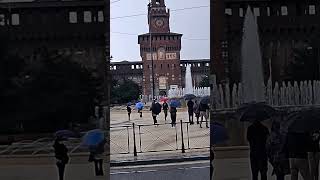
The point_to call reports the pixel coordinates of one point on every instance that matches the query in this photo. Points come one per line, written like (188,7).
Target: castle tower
(165,48)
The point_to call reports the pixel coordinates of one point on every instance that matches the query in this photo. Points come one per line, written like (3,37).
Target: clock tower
(160,48)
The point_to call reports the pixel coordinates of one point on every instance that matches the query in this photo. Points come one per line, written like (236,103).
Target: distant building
(76,27)
(164,52)
(133,70)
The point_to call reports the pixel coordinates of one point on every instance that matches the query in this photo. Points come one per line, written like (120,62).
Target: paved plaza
(151,138)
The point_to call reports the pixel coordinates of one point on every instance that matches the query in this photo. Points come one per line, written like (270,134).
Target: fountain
(188,81)
(252,75)
(189,89)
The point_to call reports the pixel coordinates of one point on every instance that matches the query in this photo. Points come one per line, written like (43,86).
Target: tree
(305,65)
(50,93)
(204,82)
(125,91)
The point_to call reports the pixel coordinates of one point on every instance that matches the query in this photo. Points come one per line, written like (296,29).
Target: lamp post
(151,52)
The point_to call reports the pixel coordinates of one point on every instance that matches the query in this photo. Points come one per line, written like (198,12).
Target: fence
(137,138)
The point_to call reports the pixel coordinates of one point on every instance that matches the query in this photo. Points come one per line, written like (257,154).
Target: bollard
(183,149)
(134,142)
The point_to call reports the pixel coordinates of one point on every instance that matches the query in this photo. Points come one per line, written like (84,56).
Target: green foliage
(305,65)
(124,91)
(47,93)
(204,82)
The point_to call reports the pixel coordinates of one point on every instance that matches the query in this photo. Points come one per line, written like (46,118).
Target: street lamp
(151,53)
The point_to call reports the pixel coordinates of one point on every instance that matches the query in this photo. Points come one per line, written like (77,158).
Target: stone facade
(283,26)
(133,70)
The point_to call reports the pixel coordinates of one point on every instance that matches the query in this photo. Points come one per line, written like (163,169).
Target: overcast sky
(192,23)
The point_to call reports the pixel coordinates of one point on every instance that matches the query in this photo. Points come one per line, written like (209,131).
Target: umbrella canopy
(64,134)
(93,137)
(164,99)
(205,100)
(218,134)
(189,96)
(175,103)
(307,120)
(255,111)
(139,105)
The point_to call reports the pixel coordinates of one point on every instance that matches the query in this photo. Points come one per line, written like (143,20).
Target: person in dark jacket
(165,108)
(204,110)
(314,155)
(61,155)
(196,110)
(297,145)
(129,110)
(190,111)
(173,113)
(257,136)
(155,109)
(96,156)
(277,157)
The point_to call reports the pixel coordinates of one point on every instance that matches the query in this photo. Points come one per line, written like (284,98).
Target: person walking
(96,156)
(165,108)
(155,109)
(196,110)
(190,111)
(257,135)
(61,155)
(297,146)
(277,157)
(314,155)
(173,113)
(129,110)
(203,109)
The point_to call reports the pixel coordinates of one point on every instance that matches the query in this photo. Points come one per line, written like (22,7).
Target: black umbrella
(189,96)
(205,100)
(306,120)
(255,111)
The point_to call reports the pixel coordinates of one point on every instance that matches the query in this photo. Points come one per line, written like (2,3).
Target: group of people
(200,110)
(62,158)
(289,153)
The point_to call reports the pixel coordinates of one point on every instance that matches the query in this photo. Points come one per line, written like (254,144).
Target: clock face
(159,23)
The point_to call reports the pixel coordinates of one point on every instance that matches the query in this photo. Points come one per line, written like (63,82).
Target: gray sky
(194,24)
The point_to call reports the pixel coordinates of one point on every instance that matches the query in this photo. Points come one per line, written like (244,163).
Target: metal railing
(142,138)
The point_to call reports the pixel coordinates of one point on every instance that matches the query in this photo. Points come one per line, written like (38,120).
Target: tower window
(100,16)
(73,17)
(132,66)
(2,20)
(161,66)
(241,12)
(15,19)
(168,66)
(284,10)
(228,11)
(256,11)
(268,11)
(87,17)
(312,9)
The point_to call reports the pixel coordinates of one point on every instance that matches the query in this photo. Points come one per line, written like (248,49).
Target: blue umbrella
(175,103)
(64,134)
(93,137)
(139,105)
(218,134)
